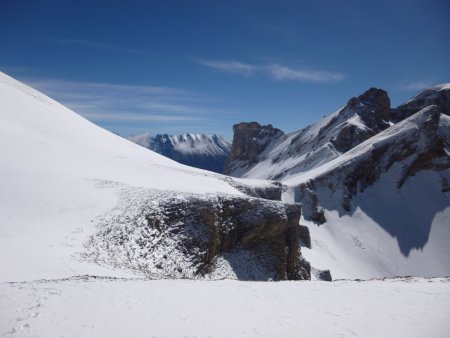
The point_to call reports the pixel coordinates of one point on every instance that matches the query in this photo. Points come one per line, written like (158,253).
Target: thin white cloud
(274,71)
(104,102)
(136,117)
(235,67)
(96,45)
(281,73)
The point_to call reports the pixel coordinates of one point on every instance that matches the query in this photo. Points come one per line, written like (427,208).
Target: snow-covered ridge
(384,205)
(361,118)
(198,150)
(374,184)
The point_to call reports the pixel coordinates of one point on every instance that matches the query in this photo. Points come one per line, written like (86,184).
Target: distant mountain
(373,181)
(202,151)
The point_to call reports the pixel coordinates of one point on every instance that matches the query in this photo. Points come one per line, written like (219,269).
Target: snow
(301,151)
(400,130)
(55,174)
(390,233)
(429,93)
(62,175)
(93,307)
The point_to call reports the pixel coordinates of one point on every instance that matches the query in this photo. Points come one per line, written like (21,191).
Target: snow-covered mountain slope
(63,177)
(361,118)
(384,205)
(375,194)
(202,151)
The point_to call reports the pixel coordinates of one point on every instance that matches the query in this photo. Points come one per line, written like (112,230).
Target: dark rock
(249,141)
(417,149)
(311,208)
(257,233)
(305,236)
(324,275)
(373,108)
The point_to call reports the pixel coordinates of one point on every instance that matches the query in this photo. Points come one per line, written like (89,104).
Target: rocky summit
(249,141)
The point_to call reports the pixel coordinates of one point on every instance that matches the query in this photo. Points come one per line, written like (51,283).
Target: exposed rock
(361,118)
(269,192)
(311,209)
(305,236)
(249,141)
(186,236)
(373,108)
(438,96)
(324,275)
(418,143)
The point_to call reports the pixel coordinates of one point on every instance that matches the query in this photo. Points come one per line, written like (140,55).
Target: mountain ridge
(204,151)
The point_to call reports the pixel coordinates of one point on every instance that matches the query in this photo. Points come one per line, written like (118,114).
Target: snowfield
(90,307)
(65,180)
(54,175)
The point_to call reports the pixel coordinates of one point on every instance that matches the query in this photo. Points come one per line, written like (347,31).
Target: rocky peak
(373,106)
(361,118)
(250,139)
(438,96)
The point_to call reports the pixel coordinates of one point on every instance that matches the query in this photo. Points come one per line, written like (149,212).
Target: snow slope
(89,307)
(55,175)
(321,142)
(386,203)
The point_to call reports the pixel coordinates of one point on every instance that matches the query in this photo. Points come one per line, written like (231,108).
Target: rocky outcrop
(311,209)
(271,190)
(438,96)
(372,109)
(305,236)
(418,143)
(249,141)
(192,236)
(323,275)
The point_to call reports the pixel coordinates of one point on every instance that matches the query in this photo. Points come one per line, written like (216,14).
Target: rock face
(418,143)
(372,108)
(276,155)
(272,190)
(249,141)
(193,236)
(202,151)
(438,96)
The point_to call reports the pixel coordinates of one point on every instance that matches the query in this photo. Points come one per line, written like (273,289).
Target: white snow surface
(90,307)
(53,175)
(390,232)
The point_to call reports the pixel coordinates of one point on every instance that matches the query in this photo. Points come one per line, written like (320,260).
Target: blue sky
(201,66)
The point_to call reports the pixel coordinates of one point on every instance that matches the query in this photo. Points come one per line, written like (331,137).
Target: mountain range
(208,152)
(363,193)
(373,181)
